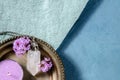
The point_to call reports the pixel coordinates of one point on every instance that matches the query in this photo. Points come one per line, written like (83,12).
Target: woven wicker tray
(57,72)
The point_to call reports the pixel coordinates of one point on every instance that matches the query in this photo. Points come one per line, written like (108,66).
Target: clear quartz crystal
(33,60)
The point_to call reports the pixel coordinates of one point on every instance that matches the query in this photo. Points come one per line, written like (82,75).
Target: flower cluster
(21,45)
(46,65)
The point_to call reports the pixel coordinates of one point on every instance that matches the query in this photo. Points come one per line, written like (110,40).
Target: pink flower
(46,65)
(21,45)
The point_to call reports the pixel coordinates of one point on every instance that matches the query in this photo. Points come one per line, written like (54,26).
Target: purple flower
(46,65)
(21,45)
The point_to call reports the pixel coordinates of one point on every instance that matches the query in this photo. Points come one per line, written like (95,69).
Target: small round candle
(10,70)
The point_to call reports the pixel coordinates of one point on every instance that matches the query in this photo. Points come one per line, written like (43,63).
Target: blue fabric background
(91,51)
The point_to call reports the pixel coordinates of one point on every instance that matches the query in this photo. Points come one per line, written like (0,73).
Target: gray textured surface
(49,20)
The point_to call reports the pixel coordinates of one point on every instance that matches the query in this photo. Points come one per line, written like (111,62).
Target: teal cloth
(49,20)
(92,49)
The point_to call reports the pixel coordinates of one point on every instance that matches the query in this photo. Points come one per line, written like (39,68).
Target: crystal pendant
(33,59)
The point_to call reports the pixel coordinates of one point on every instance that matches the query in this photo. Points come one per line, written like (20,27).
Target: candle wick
(8,74)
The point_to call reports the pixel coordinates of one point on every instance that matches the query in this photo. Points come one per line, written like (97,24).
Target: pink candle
(10,70)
